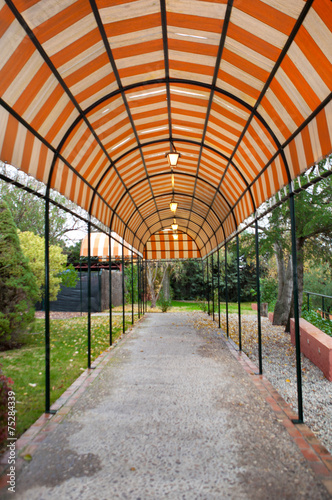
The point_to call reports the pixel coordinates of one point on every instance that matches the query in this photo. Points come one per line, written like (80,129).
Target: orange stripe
(192,47)
(86,70)
(300,83)
(76,48)
(6,18)
(307,146)
(323,9)
(323,132)
(315,56)
(268,15)
(90,91)
(64,178)
(194,22)
(47,106)
(255,43)
(294,158)
(245,65)
(141,69)
(23,5)
(133,24)
(28,146)
(41,162)
(66,112)
(63,20)
(260,143)
(190,68)
(274,116)
(287,102)
(138,49)
(15,64)
(226,126)
(238,84)
(32,89)
(223,112)
(9,139)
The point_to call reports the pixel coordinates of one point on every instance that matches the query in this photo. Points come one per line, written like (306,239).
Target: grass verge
(26,366)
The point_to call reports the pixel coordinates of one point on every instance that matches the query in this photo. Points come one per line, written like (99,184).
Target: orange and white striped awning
(162,245)
(92,92)
(100,246)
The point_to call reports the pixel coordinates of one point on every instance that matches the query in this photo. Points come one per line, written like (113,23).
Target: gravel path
(279,367)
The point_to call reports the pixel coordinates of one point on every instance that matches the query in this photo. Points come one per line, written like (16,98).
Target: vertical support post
(238,289)
(132,287)
(110,285)
(208,283)
(218,289)
(258,301)
(212,284)
(47,307)
(80,285)
(323,308)
(143,288)
(296,308)
(89,292)
(226,291)
(138,287)
(123,292)
(308,302)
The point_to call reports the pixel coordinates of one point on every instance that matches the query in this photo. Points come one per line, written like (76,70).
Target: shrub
(5,384)
(313,317)
(18,288)
(163,303)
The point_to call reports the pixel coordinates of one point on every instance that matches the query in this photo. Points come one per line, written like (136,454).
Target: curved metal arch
(193,222)
(199,215)
(188,141)
(184,232)
(167,173)
(180,194)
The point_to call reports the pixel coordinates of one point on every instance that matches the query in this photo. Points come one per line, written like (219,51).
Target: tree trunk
(155,280)
(300,265)
(283,304)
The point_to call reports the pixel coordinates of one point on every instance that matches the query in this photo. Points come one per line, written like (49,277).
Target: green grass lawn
(197,306)
(26,366)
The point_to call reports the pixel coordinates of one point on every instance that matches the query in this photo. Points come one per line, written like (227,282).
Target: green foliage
(164,303)
(33,247)
(5,391)
(18,287)
(26,366)
(187,280)
(73,253)
(128,284)
(316,319)
(269,290)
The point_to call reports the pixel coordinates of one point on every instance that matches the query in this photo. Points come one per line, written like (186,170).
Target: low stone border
(311,448)
(315,345)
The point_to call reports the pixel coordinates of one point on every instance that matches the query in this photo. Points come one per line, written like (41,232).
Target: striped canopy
(93,93)
(99,246)
(162,245)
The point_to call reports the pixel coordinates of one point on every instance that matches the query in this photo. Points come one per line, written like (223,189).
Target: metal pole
(238,289)
(89,293)
(47,307)
(208,283)
(143,288)
(212,285)
(226,290)
(308,302)
(218,290)
(81,288)
(110,285)
(258,301)
(138,287)
(123,292)
(132,287)
(296,309)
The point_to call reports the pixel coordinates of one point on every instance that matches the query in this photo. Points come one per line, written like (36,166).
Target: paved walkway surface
(173,412)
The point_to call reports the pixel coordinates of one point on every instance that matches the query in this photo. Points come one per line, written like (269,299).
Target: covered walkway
(173,411)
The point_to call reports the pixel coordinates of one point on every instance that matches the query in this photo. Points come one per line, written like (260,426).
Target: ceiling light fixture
(172,156)
(173,206)
(174,225)
(175,236)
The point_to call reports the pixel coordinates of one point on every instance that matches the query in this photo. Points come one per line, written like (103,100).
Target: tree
(18,287)
(28,210)
(33,247)
(156,272)
(313,212)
